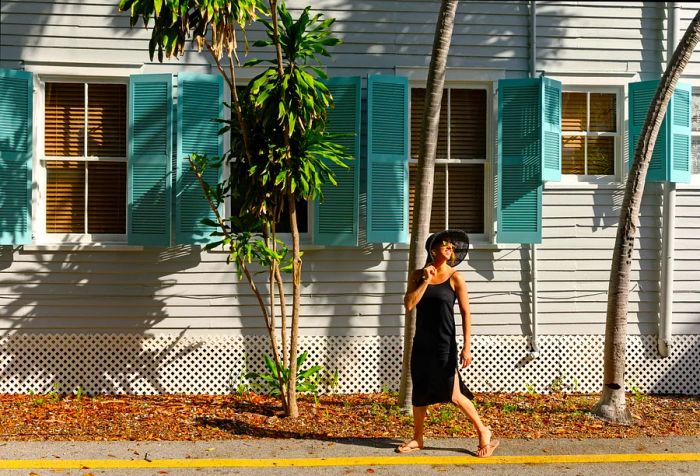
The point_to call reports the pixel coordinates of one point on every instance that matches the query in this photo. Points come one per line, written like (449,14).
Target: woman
(433,291)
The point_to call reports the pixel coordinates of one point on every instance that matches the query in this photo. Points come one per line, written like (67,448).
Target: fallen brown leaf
(215,417)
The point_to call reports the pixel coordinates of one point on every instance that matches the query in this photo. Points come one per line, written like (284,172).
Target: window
(695,148)
(85,158)
(458,190)
(590,133)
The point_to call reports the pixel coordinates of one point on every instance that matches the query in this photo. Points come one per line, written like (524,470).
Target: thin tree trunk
(269,323)
(293,410)
(612,405)
(283,314)
(426,165)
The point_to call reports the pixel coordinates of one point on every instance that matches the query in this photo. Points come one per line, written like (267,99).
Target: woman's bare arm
(463,301)
(417,284)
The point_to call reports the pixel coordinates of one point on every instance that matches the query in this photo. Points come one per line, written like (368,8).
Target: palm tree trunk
(612,405)
(426,165)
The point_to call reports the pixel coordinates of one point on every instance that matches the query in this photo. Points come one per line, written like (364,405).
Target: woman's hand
(428,272)
(465,357)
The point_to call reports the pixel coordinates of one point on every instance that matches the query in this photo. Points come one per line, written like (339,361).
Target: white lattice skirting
(139,364)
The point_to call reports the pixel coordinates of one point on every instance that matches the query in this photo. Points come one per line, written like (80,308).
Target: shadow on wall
(136,293)
(675,374)
(83,319)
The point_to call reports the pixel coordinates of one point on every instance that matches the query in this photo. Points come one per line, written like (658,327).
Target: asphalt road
(675,455)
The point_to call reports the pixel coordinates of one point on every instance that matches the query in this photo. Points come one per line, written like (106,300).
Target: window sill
(473,245)
(82,247)
(568,185)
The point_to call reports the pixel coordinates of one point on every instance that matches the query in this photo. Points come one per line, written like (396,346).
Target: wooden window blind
(437,210)
(64,120)
(603,113)
(458,187)
(86,188)
(466,205)
(106,197)
(417,107)
(65,196)
(464,188)
(106,120)
(468,123)
(589,129)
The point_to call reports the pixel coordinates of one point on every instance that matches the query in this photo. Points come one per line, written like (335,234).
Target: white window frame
(619,136)
(488,193)
(694,174)
(40,171)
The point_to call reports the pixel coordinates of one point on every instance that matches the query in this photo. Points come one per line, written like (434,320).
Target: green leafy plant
(307,379)
(55,393)
(242,386)
(509,408)
(79,393)
(530,388)
(557,384)
(332,381)
(637,392)
(38,401)
(280,152)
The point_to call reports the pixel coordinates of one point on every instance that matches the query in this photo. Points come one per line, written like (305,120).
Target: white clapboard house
(104,284)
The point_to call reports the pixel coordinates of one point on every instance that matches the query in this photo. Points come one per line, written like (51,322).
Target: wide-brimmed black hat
(459,240)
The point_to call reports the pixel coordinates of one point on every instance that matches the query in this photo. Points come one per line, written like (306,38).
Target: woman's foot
(486,445)
(410,446)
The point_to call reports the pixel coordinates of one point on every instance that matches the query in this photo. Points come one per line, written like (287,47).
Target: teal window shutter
(551,130)
(387,159)
(680,133)
(520,160)
(640,96)
(16,99)
(200,102)
(149,159)
(336,220)
(670,159)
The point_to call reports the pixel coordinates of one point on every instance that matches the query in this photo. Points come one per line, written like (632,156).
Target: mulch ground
(210,417)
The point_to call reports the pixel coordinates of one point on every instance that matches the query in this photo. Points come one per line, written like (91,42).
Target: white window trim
(40,236)
(614,180)
(694,177)
(485,239)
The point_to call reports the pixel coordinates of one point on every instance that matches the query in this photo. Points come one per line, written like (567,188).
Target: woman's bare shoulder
(458,279)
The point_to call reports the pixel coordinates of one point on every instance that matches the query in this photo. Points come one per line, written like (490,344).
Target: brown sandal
(405,448)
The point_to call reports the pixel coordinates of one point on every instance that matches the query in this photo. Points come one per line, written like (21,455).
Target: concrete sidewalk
(674,455)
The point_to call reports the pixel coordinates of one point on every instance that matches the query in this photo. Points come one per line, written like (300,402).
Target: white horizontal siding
(359,291)
(622,37)
(384,34)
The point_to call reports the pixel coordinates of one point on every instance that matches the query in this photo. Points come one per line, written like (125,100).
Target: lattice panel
(138,364)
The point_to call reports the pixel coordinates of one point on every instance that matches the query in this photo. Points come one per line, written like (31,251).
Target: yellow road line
(341,461)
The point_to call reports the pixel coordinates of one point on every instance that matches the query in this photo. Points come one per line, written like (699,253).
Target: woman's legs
(467,407)
(419,414)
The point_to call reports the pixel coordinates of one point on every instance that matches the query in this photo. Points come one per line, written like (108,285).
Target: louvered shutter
(200,102)
(337,217)
(680,133)
(551,130)
(640,96)
(15,157)
(520,161)
(387,159)
(149,159)
(670,159)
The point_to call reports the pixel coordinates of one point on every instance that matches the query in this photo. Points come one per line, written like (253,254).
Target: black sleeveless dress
(434,355)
